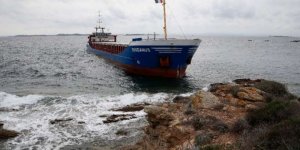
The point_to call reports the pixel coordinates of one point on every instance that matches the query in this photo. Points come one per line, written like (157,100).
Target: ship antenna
(165,19)
(99,22)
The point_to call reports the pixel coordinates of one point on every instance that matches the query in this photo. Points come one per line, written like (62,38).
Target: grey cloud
(125,16)
(232,10)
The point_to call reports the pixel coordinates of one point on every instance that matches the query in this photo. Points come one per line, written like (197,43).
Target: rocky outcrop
(132,108)
(202,119)
(250,94)
(181,99)
(202,99)
(120,117)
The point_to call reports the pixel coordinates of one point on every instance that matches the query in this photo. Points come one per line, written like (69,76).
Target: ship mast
(165,19)
(99,23)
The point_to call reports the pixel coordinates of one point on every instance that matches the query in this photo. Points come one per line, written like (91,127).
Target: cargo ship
(163,57)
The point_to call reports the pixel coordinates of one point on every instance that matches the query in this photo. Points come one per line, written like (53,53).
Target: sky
(201,17)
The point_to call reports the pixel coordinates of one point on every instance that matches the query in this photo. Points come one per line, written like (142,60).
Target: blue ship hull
(163,58)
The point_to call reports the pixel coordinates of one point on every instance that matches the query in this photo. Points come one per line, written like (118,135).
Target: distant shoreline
(61,34)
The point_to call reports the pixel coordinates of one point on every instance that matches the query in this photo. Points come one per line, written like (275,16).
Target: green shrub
(212,147)
(217,147)
(251,137)
(198,122)
(189,110)
(203,139)
(272,87)
(285,135)
(240,126)
(220,126)
(234,90)
(275,111)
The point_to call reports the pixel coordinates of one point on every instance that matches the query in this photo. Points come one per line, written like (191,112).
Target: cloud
(243,17)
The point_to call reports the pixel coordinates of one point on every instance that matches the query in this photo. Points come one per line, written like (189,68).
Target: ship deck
(111,43)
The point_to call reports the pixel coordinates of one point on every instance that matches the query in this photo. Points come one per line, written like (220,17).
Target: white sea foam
(33,121)
(206,88)
(8,100)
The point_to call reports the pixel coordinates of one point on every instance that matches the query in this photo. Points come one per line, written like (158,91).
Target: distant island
(280,36)
(60,34)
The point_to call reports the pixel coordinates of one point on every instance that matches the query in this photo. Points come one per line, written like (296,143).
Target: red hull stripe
(158,72)
(110,48)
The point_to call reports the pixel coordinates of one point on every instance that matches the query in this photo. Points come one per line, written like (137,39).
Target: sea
(43,78)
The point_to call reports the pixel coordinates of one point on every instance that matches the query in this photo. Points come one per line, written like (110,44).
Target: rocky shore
(245,114)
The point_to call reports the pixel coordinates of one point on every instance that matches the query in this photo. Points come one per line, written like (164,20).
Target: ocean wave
(9,100)
(82,111)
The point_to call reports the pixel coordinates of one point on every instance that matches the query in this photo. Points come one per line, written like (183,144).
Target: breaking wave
(31,116)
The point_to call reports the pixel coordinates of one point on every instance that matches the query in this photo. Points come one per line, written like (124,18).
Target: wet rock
(132,108)
(81,122)
(246,81)
(55,121)
(102,116)
(122,132)
(223,90)
(181,99)
(8,109)
(251,94)
(120,117)
(6,134)
(215,86)
(203,99)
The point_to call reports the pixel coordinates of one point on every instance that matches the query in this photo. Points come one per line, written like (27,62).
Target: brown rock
(202,99)
(241,103)
(214,87)
(121,117)
(250,94)
(251,107)
(158,116)
(181,99)
(6,134)
(132,108)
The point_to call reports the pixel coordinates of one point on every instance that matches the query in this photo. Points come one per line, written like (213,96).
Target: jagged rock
(55,121)
(236,102)
(121,117)
(250,94)
(181,99)
(215,86)
(158,116)
(132,108)
(223,90)
(202,99)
